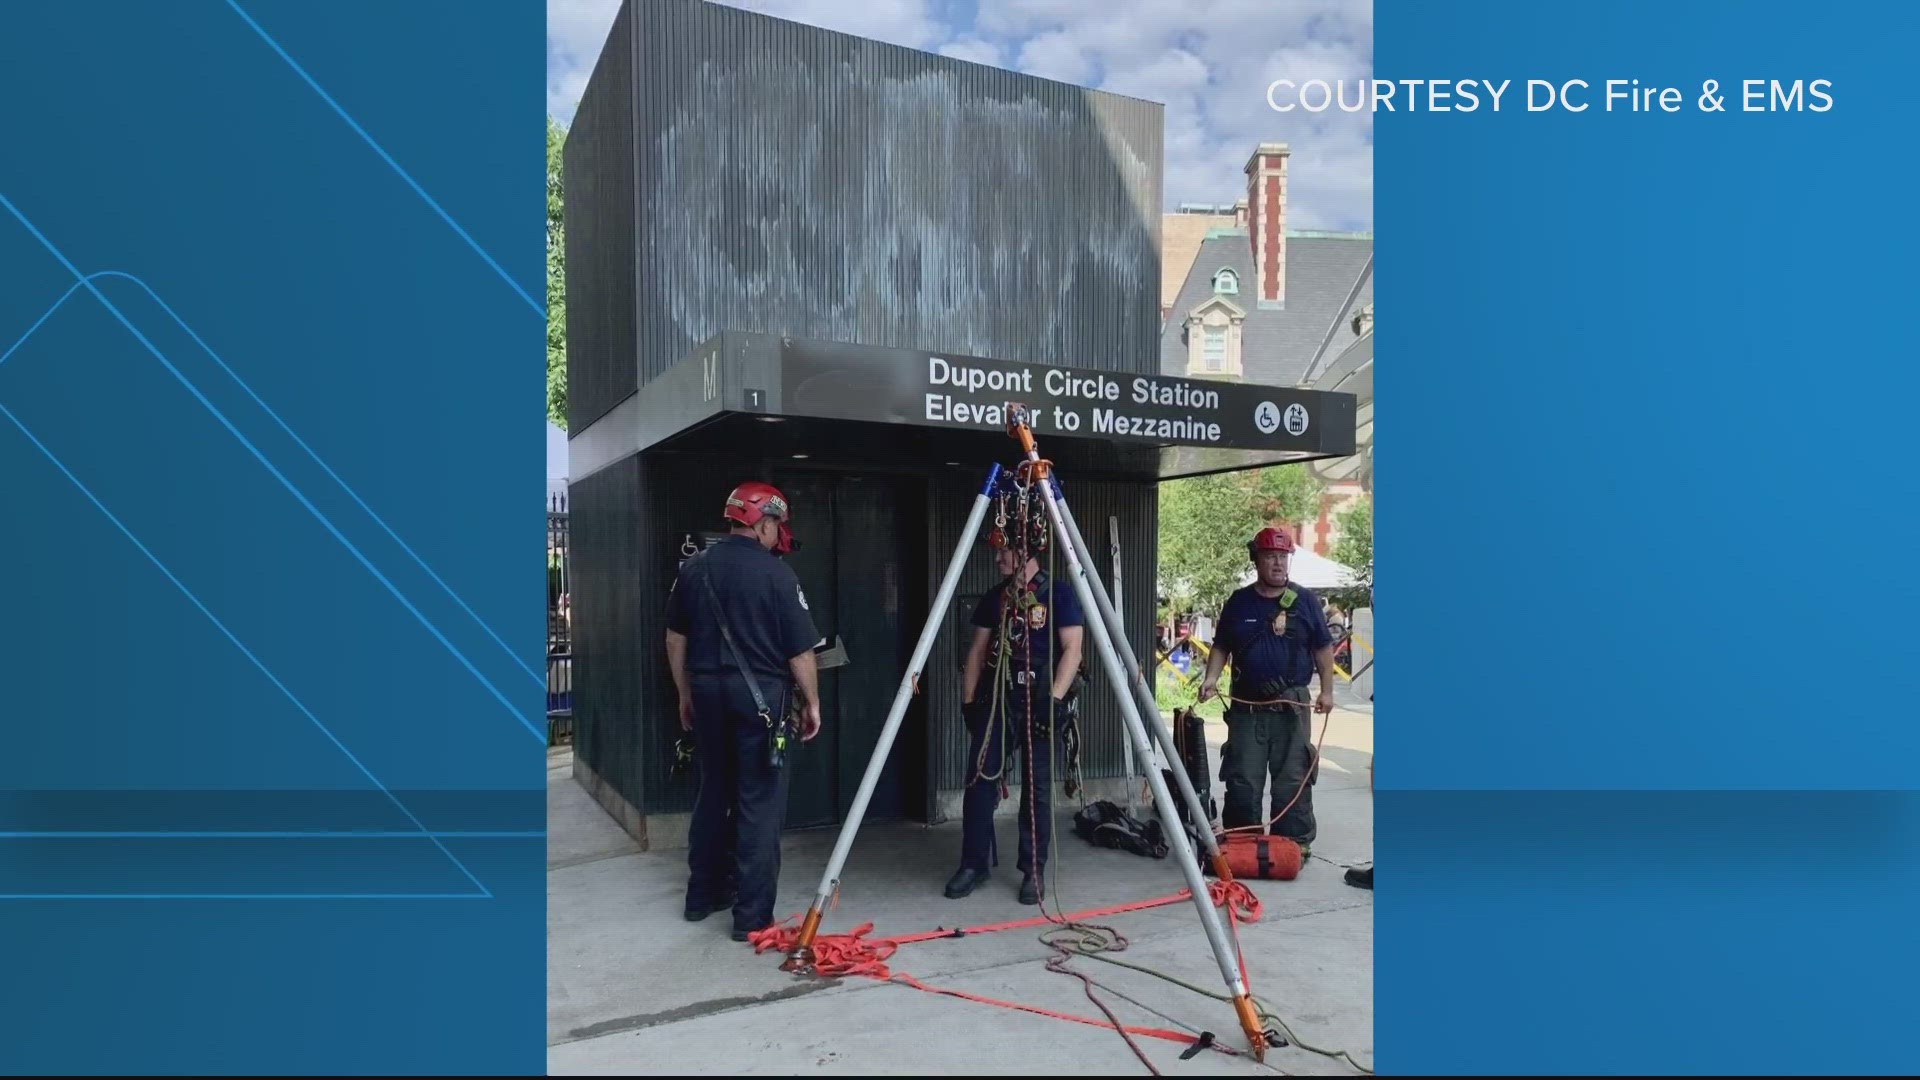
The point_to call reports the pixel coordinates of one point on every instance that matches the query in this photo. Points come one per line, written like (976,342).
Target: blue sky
(1208,61)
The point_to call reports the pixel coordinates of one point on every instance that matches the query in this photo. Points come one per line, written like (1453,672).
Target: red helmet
(753,500)
(1269,539)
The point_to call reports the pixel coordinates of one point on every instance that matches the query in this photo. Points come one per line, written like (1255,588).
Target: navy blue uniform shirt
(1062,609)
(1265,663)
(766,612)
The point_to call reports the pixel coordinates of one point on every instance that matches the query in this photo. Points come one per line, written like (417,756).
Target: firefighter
(1276,633)
(1029,652)
(743,731)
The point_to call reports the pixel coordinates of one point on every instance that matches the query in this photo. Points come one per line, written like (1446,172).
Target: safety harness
(1020,525)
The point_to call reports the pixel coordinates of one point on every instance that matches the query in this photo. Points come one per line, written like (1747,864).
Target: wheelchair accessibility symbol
(1267,417)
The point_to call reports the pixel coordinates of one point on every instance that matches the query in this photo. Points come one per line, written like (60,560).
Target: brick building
(1244,298)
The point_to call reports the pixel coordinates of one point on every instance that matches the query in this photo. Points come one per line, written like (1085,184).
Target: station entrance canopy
(858,406)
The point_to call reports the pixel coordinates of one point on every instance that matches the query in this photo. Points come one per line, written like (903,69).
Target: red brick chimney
(1267,218)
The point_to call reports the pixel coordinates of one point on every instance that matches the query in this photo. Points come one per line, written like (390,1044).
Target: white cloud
(576,32)
(1208,61)
(1057,54)
(1160,51)
(978,50)
(901,22)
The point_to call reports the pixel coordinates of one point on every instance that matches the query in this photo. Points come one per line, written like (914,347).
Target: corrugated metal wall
(611,594)
(729,171)
(602,348)
(1092,503)
(797,181)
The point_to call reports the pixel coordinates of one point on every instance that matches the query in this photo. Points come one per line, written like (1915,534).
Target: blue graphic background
(273,546)
(1647,753)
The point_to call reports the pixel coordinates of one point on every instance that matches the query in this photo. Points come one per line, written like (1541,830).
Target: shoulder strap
(721,616)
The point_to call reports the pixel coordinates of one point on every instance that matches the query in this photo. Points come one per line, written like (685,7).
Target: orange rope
(1304,780)
(856,953)
(1157,1033)
(844,953)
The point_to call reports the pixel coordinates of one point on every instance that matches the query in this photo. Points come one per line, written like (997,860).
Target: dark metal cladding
(798,181)
(730,171)
(598,166)
(613,653)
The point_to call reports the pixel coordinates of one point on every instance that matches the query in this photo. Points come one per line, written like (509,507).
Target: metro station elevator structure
(776,235)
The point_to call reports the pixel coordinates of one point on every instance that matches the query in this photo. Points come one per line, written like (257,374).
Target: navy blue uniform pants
(741,803)
(1036,789)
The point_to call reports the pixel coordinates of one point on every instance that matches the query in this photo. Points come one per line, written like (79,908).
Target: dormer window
(1213,332)
(1226,283)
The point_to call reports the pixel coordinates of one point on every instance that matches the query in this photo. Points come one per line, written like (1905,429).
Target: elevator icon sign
(1296,419)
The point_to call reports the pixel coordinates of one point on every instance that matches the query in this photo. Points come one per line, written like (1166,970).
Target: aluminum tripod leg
(801,959)
(1150,707)
(1113,556)
(1177,836)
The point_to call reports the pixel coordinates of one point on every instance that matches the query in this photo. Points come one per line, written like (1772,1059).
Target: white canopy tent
(1316,572)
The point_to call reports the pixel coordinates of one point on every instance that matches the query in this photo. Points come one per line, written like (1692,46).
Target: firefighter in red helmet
(740,644)
(1275,632)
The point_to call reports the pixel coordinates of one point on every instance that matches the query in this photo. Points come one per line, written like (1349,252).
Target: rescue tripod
(1110,640)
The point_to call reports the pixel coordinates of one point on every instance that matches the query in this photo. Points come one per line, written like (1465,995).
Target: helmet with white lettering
(1269,539)
(753,500)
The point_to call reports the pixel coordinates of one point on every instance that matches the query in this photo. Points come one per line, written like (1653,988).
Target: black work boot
(1360,879)
(696,912)
(964,881)
(1030,889)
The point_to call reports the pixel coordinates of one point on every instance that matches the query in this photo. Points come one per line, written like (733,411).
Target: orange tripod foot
(801,960)
(1250,1023)
(1221,870)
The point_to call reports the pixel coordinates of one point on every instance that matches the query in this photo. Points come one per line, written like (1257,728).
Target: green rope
(1089,946)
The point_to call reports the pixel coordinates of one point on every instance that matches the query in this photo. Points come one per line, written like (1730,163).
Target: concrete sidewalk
(635,989)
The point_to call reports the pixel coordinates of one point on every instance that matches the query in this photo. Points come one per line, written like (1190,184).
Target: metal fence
(559,624)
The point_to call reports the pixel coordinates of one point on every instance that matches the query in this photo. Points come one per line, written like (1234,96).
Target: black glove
(1068,708)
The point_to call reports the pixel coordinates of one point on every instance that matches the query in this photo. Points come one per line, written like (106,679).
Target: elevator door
(864,580)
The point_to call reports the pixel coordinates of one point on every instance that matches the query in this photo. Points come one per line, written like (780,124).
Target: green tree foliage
(1355,546)
(1206,521)
(556,280)
(1355,549)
